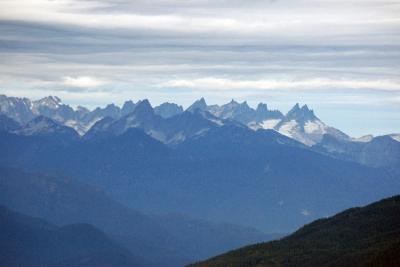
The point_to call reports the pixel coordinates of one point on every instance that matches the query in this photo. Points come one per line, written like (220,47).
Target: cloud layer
(327,53)
(83,82)
(313,84)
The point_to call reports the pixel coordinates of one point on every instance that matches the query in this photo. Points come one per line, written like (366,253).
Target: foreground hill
(28,241)
(367,236)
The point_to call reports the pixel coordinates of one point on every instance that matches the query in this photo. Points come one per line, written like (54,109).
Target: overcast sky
(341,57)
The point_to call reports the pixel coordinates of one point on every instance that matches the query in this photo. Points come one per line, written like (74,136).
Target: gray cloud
(282,21)
(91,52)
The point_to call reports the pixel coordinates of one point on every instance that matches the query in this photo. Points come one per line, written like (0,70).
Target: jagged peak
(143,106)
(51,98)
(198,104)
(231,104)
(305,107)
(144,102)
(302,114)
(82,109)
(295,107)
(262,107)
(201,101)
(128,103)
(49,101)
(15,99)
(169,104)
(128,107)
(244,106)
(167,109)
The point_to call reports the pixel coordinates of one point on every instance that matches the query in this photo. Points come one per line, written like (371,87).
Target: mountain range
(162,240)
(170,124)
(299,123)
(203,162)
(165,183)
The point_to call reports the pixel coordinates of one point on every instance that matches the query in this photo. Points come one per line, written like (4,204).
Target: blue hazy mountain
(167,110)
(381,151)
(43,126)
(170,130)
(240,112)
(30,241)
(7,124)
(127,108)
(162,240)
(218,163)
(300,123)
(217,170)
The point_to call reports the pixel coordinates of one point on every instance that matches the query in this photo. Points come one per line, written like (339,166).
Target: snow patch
(315,127)
(81,128)
(395,137)
(269,124)
(254,126)
(365,138)
(288,128)
(216,121)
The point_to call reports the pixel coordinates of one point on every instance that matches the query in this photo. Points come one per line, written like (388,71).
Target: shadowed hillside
(162,240)
(28,241)
(368,236)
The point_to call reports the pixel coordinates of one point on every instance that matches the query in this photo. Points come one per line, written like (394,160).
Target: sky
(341,57)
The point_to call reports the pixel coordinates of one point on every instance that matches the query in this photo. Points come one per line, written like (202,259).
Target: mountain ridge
(259,166)
(31,241)
(81,119)
(156,239)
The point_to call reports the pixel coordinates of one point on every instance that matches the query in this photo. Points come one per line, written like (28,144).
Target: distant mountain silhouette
(28,241)
(172,130)
(381,151)
(157,239)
